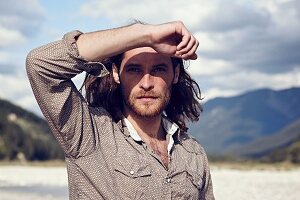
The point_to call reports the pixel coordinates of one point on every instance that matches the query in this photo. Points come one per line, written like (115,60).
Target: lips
(147,98)
(147,95)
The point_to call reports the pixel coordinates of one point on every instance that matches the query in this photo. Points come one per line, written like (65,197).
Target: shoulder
(191,144)
(98,111)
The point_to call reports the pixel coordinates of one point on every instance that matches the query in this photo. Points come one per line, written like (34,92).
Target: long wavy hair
(183,106)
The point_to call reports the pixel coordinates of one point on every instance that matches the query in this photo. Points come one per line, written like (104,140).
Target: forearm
(95,46)
(172,39)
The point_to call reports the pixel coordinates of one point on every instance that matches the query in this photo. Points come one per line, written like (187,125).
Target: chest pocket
(133,175)
(191,173)
(194,178)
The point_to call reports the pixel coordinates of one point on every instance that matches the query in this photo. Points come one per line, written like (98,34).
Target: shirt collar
(170,127)
(132,132)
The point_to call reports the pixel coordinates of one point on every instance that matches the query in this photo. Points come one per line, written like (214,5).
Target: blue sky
(244,44)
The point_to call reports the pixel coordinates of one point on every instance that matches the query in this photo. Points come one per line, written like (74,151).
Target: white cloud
(122,12)
(10,37)
(208,42)
(210,67)
(16,89)
(254,79)
(234,15)
(4,57)
(24,16)
(217,92)
(197,14)
(15,86)
(241,81)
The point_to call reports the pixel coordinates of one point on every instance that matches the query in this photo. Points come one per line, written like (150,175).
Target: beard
(149,109)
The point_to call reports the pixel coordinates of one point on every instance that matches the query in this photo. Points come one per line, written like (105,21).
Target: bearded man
(127,138)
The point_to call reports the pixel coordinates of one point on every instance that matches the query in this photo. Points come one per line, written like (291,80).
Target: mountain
(285,137)
(281,146)
(25,135)
(291,153)
(227,125)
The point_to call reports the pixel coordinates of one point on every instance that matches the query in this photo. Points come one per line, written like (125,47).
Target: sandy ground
(50,183)
(33,183)
(231,184)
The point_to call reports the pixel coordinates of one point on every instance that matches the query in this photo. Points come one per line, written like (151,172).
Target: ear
(176,74)
(116,74)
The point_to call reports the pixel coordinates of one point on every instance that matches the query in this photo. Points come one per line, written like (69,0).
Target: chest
(160,150)
(141,175)
(128,169)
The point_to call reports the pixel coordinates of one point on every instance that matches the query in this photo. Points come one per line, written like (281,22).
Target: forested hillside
(23,135)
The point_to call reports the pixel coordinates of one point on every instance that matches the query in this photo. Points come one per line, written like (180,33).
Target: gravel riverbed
(50,183)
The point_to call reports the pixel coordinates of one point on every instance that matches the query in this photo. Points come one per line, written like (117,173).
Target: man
(127,139)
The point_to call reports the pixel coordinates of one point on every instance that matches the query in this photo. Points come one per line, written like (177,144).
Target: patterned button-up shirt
(103,160)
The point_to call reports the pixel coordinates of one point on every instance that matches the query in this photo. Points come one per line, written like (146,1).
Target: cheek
(127,88)
(129,81)
(163,84)
(126,82)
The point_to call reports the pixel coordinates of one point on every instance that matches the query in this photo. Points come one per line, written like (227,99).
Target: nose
(147,82)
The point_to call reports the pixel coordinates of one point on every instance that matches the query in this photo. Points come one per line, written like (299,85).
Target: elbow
(31,59)
(32,62)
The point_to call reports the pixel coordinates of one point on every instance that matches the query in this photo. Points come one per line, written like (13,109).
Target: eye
(159,68)
(133,69)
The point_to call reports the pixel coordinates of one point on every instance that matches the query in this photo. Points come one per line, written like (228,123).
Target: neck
(147,127)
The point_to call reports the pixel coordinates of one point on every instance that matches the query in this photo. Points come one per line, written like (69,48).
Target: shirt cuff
(94,68)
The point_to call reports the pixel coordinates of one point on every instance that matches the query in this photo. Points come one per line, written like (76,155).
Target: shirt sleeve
(50,69)
(207,190)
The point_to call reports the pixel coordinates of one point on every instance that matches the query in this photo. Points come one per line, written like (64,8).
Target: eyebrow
(132,65)
(161,65)
(138,65)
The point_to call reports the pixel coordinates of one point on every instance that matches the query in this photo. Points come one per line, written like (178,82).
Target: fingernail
(178,54)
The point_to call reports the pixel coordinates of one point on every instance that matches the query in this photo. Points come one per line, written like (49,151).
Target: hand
(175,40)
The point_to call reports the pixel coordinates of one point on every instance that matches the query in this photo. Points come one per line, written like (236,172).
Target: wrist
(145,32)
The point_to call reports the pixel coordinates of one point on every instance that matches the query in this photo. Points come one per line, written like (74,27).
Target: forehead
(145,55)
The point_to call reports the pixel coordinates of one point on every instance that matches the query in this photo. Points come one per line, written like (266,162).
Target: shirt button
(131,172)
(168,180)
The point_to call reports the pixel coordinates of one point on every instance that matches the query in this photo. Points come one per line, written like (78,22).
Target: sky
(244,44)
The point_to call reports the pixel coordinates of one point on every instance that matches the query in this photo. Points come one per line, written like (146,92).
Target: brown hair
(184,102)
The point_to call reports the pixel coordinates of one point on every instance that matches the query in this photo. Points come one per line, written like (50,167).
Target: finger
(177,55)
(192,53)
(189,46)
(186,36)
(189,57)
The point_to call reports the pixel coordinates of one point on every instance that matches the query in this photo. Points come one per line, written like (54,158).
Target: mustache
(142,94)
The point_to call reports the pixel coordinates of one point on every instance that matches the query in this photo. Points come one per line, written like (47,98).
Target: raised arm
(171,38)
